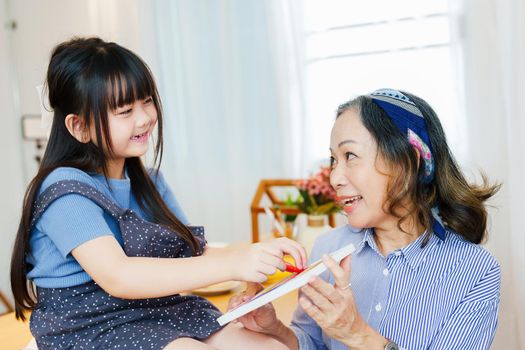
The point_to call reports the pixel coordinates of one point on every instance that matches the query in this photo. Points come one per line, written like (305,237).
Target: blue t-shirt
(73,220)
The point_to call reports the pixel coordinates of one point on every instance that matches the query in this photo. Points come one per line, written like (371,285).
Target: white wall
(11,183)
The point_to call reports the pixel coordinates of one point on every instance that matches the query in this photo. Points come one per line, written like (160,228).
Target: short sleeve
(168,197)
(72,219)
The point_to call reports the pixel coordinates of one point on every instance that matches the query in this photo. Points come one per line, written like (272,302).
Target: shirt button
(397,253)
(378,307)
(385,272)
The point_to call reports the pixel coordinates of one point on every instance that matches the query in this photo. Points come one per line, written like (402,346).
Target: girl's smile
(141,138)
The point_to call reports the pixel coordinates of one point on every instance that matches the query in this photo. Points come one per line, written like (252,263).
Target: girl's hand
(255,262)
(333,308)
(261,320)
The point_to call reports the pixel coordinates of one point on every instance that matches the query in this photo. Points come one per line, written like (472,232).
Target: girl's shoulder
(67,173)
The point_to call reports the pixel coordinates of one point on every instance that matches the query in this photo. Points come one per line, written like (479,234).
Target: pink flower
(317,188)
(301,184)
(314,189)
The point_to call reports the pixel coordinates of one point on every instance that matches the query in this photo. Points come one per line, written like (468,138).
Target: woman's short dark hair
(461,204)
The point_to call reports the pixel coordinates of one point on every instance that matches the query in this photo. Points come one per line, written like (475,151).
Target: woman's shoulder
(67,173)
(469,249)
(459,251)
(467,269)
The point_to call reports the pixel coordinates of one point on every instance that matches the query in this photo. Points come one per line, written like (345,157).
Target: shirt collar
(368,240)
(437,224)
(413,254)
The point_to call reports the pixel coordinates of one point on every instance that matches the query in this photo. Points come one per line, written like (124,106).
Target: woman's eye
(148,100)
(349,155)
(332,162)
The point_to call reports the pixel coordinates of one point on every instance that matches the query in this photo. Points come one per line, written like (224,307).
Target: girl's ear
(77,128)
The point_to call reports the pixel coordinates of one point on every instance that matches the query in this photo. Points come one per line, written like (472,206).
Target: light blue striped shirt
(442,296)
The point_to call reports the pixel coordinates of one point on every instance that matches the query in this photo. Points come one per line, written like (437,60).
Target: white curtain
(224,74)
(491,55)
(286,33)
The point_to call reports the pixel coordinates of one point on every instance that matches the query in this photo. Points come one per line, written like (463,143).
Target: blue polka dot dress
(86,317)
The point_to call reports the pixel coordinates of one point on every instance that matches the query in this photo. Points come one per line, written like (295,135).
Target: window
(354,47)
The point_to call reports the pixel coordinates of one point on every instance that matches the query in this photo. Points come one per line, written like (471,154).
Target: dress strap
(140,237)
(65,187)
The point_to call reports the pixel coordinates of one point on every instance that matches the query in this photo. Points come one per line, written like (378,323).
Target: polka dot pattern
(86,317)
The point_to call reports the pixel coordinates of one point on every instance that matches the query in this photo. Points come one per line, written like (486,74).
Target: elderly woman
(418,278)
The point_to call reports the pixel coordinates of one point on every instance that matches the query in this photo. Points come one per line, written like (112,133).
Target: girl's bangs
(128,83)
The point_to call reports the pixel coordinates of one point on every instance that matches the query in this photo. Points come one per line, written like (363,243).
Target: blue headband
(410,121)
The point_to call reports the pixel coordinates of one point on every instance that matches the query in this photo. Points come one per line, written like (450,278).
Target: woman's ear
(77,128)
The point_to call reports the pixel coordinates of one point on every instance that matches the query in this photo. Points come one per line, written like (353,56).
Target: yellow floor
(14,334)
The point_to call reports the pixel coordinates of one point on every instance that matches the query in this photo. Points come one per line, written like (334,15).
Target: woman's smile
(349,203)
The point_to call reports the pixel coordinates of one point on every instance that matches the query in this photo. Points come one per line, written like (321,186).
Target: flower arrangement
(317,197)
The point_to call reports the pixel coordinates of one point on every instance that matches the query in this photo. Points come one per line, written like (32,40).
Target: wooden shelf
(266,188)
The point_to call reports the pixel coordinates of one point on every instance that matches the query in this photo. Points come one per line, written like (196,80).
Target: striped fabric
(443,296)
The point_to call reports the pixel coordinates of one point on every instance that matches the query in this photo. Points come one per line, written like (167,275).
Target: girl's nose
(144,118)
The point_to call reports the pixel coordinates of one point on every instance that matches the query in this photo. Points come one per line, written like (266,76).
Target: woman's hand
(261,320)
(255,262)
(333,308)
(264,319)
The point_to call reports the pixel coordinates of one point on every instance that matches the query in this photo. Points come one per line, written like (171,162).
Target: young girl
(418,280)
(103,239)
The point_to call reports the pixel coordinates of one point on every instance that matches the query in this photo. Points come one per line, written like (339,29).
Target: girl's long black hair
(88,77)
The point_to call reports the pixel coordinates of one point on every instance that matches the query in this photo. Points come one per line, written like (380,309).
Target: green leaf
(326,208)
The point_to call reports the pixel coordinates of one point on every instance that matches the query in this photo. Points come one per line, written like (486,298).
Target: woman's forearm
(365,338)
(285,335)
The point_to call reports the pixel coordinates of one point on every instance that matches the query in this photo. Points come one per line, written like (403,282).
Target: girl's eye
(125,112)
(148,100)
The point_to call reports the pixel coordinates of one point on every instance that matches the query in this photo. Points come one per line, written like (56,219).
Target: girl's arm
(139,277)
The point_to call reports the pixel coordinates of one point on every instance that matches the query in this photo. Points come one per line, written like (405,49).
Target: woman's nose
(337,177)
